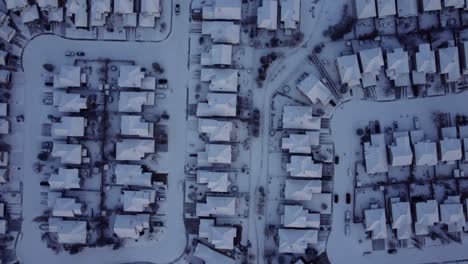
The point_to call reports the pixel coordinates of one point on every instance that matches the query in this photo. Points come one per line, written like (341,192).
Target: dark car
(80,53)
(348,198)
(177,9)
(337,159)
(336,198)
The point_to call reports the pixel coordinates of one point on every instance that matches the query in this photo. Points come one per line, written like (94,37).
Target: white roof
(3,226)
(431,5)
(215,181)
(210,256)
(134,149)
(219,153)
(130,226)
(3,57)
(123,6)
(296,240)
(137,201)
(303,166)
(223,10)
(454,3)
(3,109)
(371,60)
(401,220)
(398,67)
(453,216)
(219,104)
(47,3)
(4,126)
(76,6)
(55,14)
(222,31)
(219,237)
(300,117)
(68,231)
(133,102)
(68,76)
(134,125)
(449,63)
(7,33)
(427,214)
(295,216)
(65,179)
(66,207)
(29,14)
(267,15)
(69,126)
(348,68)
(407,8)
(376,223)
(16,4)
(217,206)
(315,90)
(151,7)
(221,80)
(127,174)
(290,13)
(425,153)
(302,190)
(220,54)
(450,149)
(130,76)
(216,130)
(68,153)
(301,143)
(68,102)
(386,8)
(425,63)
(375,154)
(100,6)
(401,153)
(365,8)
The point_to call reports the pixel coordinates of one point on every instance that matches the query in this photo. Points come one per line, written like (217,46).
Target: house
(77,10)
(133,102)
(123,7)
(365,8)
(300,117)
(138,201)
(452,214)
(215,181)
(402,220)
(371,64)
(348,69)
(129,20)
(301,143)
(4,158)
(398,69)
(68,76)
(7,33)
(65,179)
(4,126)
(149,11)
(220,54)
(3,109)
(449,64)
(386,8)
(127,174)
(130,226)
(218,104)
(375,154)
(221,237)
(220,80)
(315,90)
(217,206)
(3,227)
(215,154)
(134,149)
(400,152)
(69,102)
(130,76)
(407,8)
(210,256)
(100,10)
(55,14)
(302,190)
(222,31)
(69,126)
(427,214)
(450,149)
(295,216)
(29,14)
(425,153)
(464,57)
(222,10)
(290,14)
(454,4)
(267,15)
(296,240)
(425,63)
(4,175)
(303,166)
(376,223)
(16,5)
(5,76)
(215,130)
(68,153)
(134,125)
(67,207)
(431,5)
(4,56)
(68,231)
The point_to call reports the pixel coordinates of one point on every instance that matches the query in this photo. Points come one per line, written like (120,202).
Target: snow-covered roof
(221,80)
(223,10)
(454,3)
(302,190)
(425,63)
(55,14)
(130,226)
(401,153)
(150,7)
(425,153)
(68,153)
(407,8)
(4,126)
(47,3)
(300,117)
(449,63)
(4,158)
(267,15)
(221,237)
(216,130)
(100,6)
(130,76)
(290,13)
(4,57)
(315,90)
(3,226)
(222,31)
(65,179)
(376,222)
(398,67)
(386,8)
(7,33)
(68,231)
(296,240)
(123,6)
(464,59)
(69,102)
(16,4)
(137,201)
(210,256)
(450,149)
(133,102)
(69,126)
(453,216)
(127,174)
(4,109)
(218,153)
(29,14)
(348,68)
(375,154)
(427,214)
(371,60)
(303,166)
(401,220)
(76,6)
(220,54)
(301,143)
(431,5)
(219,104)
(66,207)
(134,125)
(217,206)
(365,9)
(295,216)
(134,149)
(130,20)
(68,76)
(215,181)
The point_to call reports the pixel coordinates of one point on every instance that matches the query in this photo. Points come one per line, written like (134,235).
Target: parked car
(347,216)
(336,198)
(69,53)
(80,53)
(347,230)
(337,159)
(177,9)
(348,198)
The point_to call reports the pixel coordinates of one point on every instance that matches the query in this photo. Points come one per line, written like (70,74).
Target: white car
(347,230)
